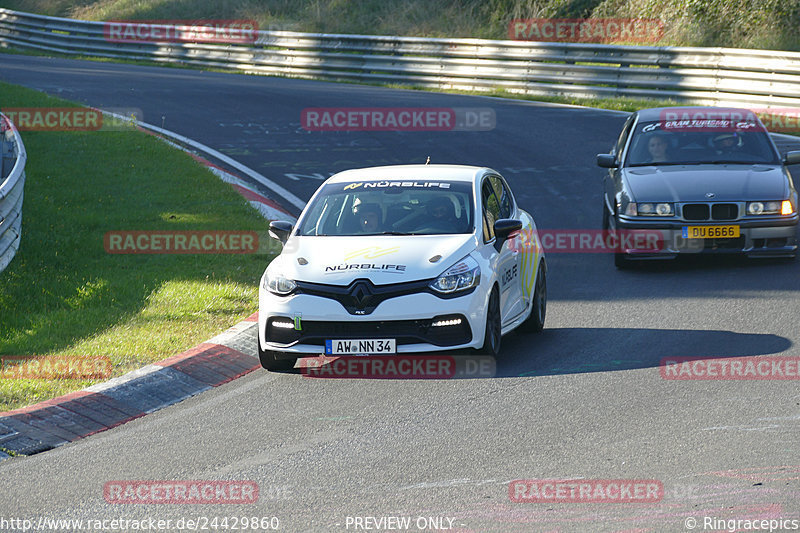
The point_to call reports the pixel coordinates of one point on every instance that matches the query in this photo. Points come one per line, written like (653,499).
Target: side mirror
(607,161)
(792,158)
(503,228)
(280,230)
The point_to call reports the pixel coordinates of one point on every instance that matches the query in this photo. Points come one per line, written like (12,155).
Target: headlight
(652,209)
(463,275)
(278,284)
(770,208)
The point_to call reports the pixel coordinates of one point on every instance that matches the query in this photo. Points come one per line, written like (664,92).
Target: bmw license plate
(710,232)
(360,347)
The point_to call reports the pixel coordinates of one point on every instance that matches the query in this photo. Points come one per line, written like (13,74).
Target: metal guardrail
(707,76)
(12,181)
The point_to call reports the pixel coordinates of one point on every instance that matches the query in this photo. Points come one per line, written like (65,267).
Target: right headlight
(462,276)
(278,284)
(770,208)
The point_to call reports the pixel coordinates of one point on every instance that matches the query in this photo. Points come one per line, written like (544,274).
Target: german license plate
(360,346)
(710,232)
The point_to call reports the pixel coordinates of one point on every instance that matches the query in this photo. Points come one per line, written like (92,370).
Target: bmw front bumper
(766,237)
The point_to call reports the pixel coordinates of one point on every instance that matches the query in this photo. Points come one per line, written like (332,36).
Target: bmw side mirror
(792,158)
(280,230)
(607,161)
(503,228)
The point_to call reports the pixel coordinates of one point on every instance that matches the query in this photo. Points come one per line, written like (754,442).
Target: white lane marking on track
(266,182)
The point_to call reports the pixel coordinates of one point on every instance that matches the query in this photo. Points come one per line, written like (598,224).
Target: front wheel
(492,335)
(620,260)
(269,360)
(535,321)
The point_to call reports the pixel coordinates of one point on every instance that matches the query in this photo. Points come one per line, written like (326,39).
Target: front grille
(710,211)
(725,211)
(316,332)
(695,212)
(361,296)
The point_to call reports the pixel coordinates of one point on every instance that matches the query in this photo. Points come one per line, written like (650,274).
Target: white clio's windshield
(699,142)
(390,208)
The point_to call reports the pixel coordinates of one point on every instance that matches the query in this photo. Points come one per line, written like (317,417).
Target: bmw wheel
(620,260)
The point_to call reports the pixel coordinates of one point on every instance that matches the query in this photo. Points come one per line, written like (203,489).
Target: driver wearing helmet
(368,216)
(728,142)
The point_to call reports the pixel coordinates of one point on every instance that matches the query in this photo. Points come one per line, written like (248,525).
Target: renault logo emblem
(361,294)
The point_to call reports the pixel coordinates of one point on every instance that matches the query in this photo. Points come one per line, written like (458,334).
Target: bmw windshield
(699,142)
(390,208)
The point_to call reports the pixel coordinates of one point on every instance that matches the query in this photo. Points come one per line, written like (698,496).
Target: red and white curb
(76,415)
(223,358)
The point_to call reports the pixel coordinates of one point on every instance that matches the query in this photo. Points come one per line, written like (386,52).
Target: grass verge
(64,295)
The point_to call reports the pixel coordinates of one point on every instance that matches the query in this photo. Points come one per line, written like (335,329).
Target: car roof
(655,113)
(411,172)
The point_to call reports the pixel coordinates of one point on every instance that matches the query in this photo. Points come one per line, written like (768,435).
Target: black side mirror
(792,158)
(607,161)
(280,230)
(503,228)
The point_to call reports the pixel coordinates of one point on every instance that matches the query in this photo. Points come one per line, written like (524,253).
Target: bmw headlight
(278,284)
(462,276)
(770,208)
(663,209)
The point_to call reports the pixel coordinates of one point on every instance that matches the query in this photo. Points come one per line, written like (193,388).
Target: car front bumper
(419,322)
(773,237)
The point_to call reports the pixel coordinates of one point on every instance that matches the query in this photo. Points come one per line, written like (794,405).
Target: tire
(535,321)
(492,333)
(270,361)
(620,260)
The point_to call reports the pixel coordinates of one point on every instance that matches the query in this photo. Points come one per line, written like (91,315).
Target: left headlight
(278,284)
(462,276)
(663,209)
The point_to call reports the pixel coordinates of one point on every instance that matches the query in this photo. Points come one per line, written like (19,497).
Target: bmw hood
(691,183)
(383,259)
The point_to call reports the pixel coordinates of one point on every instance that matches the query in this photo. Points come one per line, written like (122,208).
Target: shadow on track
(582,350)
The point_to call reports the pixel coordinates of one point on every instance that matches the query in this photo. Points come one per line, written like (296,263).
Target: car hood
(383,259)
(691,183)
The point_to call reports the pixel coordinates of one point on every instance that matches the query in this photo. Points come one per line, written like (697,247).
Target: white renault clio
(402,259)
